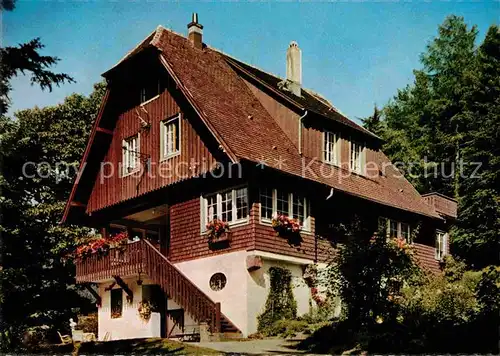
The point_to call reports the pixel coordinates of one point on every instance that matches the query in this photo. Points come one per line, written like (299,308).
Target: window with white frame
(130,150)
(399,229)
(440,245)
(331,147)
(278,201)
(405,231)
(357,157)
(170,137)
(230,206)
(266,203)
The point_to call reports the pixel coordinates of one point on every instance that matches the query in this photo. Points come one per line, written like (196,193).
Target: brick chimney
(294,68)
(195,32)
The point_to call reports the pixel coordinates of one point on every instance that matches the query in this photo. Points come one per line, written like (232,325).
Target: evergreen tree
(40,151)
(421,123)
(374,123)
(446,120)
(477,233)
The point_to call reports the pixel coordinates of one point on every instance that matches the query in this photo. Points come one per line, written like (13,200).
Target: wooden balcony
(126,262)
(143,257)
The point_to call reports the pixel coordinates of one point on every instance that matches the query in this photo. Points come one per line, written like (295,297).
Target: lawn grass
(153,346)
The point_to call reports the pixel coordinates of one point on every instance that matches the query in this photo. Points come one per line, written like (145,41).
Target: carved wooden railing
(143,257)
(118,262)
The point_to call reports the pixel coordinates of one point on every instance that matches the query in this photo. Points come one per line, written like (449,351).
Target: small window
(227,206)
(212,208)
(116,303)
(298,208)
(149,90)
(276,201)
(440,245)
(393,229)
(218,281)
(282,203)
(399,229)
(266,203)
(331,148)
(130,154)
(230,206)
(357,157)
(405,232)
(170,137)
(241,203)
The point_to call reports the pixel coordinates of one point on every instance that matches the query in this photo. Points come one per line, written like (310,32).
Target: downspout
(300,131)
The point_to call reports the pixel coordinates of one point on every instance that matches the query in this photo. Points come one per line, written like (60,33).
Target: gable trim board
(81,171)
(191,68)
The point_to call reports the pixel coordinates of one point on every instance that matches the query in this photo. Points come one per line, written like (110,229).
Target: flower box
(285,226)
(218,231)
(102,246)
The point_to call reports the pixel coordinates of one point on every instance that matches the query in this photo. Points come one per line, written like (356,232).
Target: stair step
(160,268)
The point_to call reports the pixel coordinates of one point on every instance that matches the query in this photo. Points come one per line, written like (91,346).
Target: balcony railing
(143,257)
(117,262)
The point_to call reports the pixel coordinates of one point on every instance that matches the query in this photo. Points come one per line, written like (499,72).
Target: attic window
(170,137)
(357,157)
(331,148)
(130,150)
(149,90)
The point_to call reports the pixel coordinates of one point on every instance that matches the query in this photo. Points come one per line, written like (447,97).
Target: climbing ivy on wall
(280,303)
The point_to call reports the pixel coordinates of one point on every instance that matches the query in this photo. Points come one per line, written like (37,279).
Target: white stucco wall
(259,285)
(242,299)
(190,325)
(233,297)
(129,325)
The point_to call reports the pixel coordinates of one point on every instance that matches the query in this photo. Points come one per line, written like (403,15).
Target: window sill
(362,174)
(130,173)
(167,157)
(232,225)
(150,100)
(269,223)
(335,164)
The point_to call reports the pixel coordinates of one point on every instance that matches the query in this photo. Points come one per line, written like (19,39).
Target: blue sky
(354,53)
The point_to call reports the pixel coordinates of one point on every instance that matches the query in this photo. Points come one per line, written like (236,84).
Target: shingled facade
(187,135)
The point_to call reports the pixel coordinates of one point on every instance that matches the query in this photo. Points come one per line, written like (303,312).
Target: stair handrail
(212,311)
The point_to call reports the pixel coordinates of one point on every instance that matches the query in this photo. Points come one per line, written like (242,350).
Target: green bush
(280,303)
(439,299)
(286,328)
(88,323)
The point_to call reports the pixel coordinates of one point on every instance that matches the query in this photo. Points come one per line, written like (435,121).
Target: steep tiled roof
(251,133)
(308,100)
(246,131)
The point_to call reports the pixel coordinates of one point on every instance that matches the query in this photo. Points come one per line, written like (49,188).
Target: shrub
(285,328)
(370,270)
(88,323)
(439,299)
(280,303)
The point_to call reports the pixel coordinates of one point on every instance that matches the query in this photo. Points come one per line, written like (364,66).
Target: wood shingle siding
(116,189)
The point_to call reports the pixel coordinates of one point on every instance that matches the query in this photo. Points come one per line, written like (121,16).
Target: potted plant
(285,226)
(217,231)
(145,308)
(102,246)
